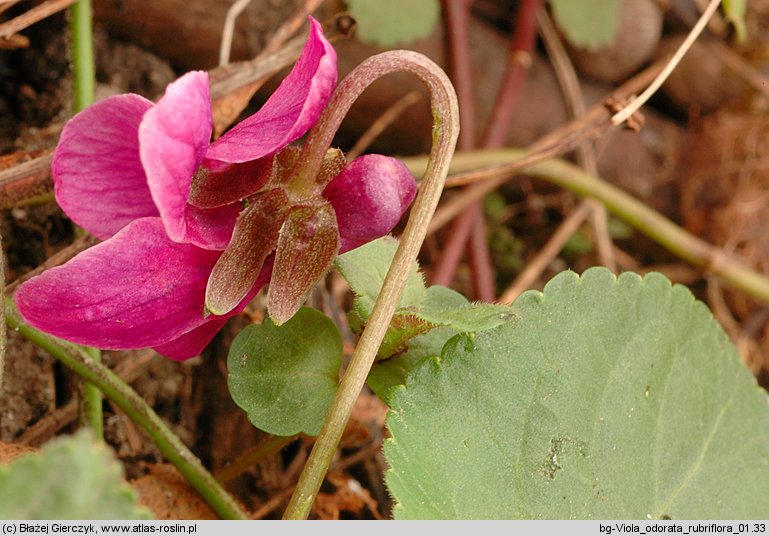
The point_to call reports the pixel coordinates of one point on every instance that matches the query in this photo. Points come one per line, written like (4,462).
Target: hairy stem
(445,132)
(136,408)
(645,219)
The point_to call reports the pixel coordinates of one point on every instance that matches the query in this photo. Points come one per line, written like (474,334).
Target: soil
(698,159)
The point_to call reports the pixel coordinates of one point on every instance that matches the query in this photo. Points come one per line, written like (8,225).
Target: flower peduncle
(442,102)
(445,130)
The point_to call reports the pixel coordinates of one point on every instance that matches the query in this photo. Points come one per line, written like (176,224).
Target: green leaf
(365,268)
(606,398)
(408,323)
(441,307)
(386,375)
(393,22)
(735,12)
(403,328)
(589,24)
(285,376)
(417,323)
(70,478)
(471,317)
(440,298)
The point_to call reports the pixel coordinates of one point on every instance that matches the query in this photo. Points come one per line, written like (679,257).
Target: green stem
(91,412)
(136,408)
(645,219)
(82,54)
(253,456)
(445,132)
(85,78)
(2,314)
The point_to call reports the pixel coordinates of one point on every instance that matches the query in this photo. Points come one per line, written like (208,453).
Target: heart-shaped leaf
(285,376)
(605,398)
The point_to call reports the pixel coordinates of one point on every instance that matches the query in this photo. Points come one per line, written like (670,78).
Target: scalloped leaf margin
(607,398)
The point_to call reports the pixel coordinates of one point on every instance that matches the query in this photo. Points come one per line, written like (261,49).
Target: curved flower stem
(136,408)
(84,72)
(645,219)
(445,132)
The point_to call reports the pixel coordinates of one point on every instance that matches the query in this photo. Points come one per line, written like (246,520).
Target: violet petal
(370,196)
(290,111)
(173,139)
(97,173)
(138,289)
(211,228)
(190,344)
(193,342)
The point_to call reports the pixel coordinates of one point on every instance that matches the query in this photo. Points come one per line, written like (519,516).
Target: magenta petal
(98,176)
(290,111)
(193,342)
(370,195)
(138,289)
(173,139)
(211,228)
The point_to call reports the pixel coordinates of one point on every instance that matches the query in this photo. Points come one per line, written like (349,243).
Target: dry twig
(36,14)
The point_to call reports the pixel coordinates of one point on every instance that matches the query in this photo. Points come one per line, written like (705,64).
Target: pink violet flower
(144,178)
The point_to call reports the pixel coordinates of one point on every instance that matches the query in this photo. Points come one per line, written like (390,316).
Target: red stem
(457,13)
(471,226)
(484,280)
(446,266)
(518,64)
(457,24)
